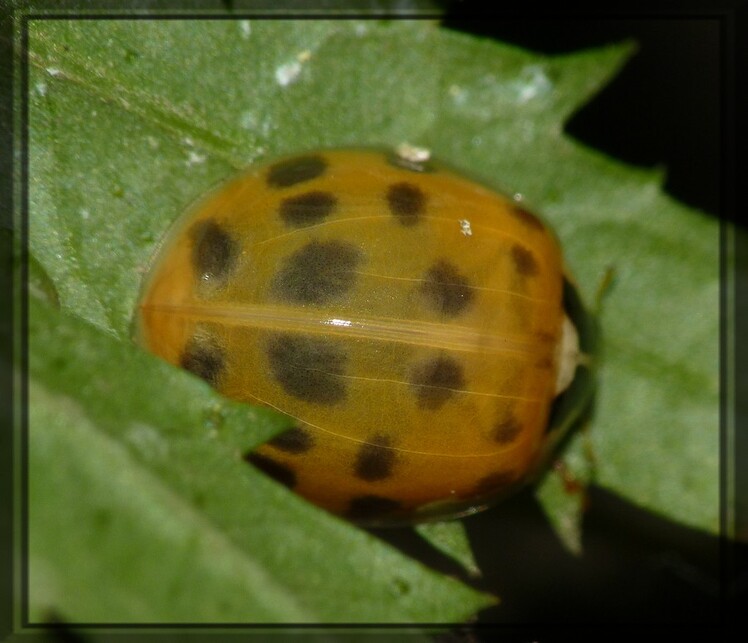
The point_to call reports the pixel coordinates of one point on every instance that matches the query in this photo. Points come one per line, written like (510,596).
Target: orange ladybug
(417,326)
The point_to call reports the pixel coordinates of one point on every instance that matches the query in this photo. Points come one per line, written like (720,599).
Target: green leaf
(563,492)
(150,492)
(130,121)
(451,539)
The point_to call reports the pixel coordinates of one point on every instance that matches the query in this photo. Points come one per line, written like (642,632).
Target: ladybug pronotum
(418,327)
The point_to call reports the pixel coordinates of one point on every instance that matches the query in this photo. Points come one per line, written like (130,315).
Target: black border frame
(14,181)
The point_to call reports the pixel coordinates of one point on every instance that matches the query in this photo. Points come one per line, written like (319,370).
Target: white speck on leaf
(194,158)
(246,28)
(248,120)
(458,94)
(532,83)
(147,441)
(41,89)
(85,213)
(53,71)
(288,73)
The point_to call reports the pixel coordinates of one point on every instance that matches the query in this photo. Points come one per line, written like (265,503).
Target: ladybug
(418,327)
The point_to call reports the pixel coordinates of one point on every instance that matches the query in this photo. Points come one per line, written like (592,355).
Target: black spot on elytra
(445,290)
(296,170)
(277,471)
(506,429)
(317,273)
(371,508)
(214,250)
(307,209)
(544,363)
(527,217)
(524,261)
(203,357)
(436,380)
(296,440)
(375,459)
(406,202)
(546,338)
(308,367)
(406,164)
(495,483)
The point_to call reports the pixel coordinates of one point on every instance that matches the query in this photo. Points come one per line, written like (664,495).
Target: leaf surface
(131,120)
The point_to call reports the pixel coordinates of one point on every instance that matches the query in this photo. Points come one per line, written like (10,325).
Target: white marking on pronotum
(413,153)
(465,228)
